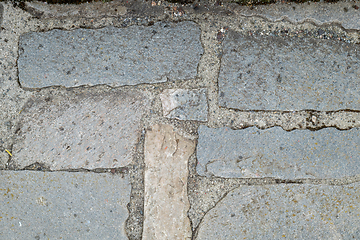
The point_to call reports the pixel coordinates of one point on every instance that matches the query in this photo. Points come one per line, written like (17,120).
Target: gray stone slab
(345,13)
(112,56)
(276,73)
(273,152)
(285,212)
(185,104)
(63,205)
(1,14)
(80,130)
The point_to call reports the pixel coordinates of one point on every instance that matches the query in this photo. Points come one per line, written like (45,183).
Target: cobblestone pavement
(157,120)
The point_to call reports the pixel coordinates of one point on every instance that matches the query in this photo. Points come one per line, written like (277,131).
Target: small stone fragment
(273,152)
(166,173)
(285,212)
(85,130)
(184,104)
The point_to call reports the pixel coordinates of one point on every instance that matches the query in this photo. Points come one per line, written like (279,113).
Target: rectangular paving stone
(276,73)
(80,130)
(166,172)
(285,212)
(112,56)
(273,152)
(185,104)
(63,205)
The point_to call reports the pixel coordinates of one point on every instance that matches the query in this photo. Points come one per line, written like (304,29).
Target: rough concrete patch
(87,130)
(55,205)
(273,152)
(112,56)
(275,73)
(86,10)
(285,212)
(166,173)
(184,104)
(346,13)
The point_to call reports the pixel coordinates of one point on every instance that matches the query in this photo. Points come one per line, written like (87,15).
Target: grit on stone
(55,205)
(273,152)
(166,173)
(87,130)
(280,73)
(112,56)
(185,104)
(285,212)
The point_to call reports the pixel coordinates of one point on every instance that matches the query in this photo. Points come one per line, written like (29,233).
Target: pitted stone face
(285,212)
(112,56)
(278,73)
(273,152)
(84,130)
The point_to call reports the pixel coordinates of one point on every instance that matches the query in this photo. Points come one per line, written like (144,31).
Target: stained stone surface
(1,14)
(166,172)
(285,212)
(279,73)
(88,10)
(80,130)
(273,152)
(345,13)
(185,104)
(55,205)
(112,56)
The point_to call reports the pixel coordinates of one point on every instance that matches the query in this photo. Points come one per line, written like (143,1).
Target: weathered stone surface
(87,10)
(112,56)
(273,152)
(55,205)
(275,73)
(85,130)
(184,104)
(343,12)
(285,212)
(1,14)
(166,172)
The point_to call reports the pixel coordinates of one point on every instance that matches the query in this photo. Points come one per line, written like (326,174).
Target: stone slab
(273,152)
(285,212)
(63,205)
(80,130)
(112,56)
(85,10)
(345,13)
(278,73)
(166,172)
(185,104)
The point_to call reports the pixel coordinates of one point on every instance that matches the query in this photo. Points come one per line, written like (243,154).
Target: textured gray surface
(273,152)
(112,56)
(1,14)
(185,104)
(55,205)
(345,13)
(285,212)
(80,130)
(276,73)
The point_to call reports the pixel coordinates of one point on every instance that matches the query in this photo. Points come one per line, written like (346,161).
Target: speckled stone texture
(280,73)
(55,205)
(112,56)
(87,130)
(185,104)
(285,212)
(166,172)
(273,152)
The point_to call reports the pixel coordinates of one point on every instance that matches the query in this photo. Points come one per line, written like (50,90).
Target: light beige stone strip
(166,173)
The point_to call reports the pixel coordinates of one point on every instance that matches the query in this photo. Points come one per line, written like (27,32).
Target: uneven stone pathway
(156,120)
